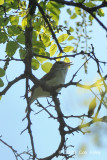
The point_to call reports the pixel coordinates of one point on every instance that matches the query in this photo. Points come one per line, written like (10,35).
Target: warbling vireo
(54,77)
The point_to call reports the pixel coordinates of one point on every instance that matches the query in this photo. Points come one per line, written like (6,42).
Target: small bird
(54,77)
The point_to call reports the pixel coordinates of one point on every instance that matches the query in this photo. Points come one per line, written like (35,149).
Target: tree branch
(50,28)
(87,9)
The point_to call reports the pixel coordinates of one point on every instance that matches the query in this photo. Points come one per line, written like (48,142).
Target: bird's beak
(69,63)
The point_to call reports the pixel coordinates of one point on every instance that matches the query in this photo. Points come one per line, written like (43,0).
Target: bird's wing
(44,78)
(47,77)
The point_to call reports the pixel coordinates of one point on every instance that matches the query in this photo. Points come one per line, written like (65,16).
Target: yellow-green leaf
(71,29)
(90,18)
(68,49)
(2,72)
(53,49)
(46,67)
(34,64)
(73,16)
(62,37)
(70,38)
(24,23)
(1,2)
(78,10)
(1,83)
(60,54)
(92,107)
(0,97)
(89,4)
(101,12)
(14,20)
(67,60)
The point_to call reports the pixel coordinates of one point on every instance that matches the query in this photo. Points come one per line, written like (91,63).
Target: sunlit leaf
(78,11)
(70,38)
(62,37)
(71,29)
(2,72)
(11,48)
(68,49)
(14,20)
(46,67)
(0,97)
(89,4)
(1,2)
(90,18)
(67,60)
(60,54)
(34,64)
(92,107)
(73,16)
(53,49)
(46,40)
(24,23)
(100,12)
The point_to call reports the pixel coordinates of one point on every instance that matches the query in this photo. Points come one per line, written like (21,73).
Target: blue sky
(45,130)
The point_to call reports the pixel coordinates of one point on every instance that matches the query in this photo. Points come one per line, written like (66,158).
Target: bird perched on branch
(54,77)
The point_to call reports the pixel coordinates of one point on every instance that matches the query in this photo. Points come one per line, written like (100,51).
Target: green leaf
(1,83)
(53,49)
(13,30)
(3,37)
(34,37)
(34,64)
(89,4)
(21,38)
(70,38)
(46,67)
(14,20)
(22,53)
(92,107)
(53,7)
(101,12)
(39,45)
(0,97)
(1,2)
(68,49)
(71,29)
(73,16)
(78,11)
(11,48)
(69,11)
(62,37)
(2,72)
(4,21)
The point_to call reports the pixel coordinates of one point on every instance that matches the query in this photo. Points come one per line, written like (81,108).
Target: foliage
(33,35)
